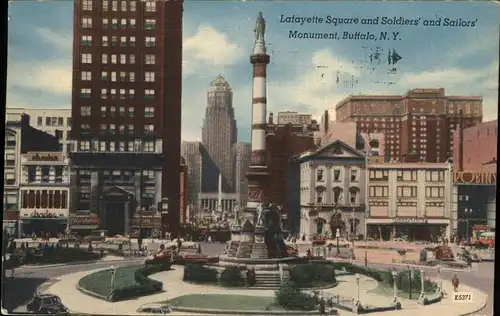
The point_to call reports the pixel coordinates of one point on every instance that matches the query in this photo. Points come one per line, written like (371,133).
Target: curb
(203,311)
(477,310)
(46,266)
(403,265)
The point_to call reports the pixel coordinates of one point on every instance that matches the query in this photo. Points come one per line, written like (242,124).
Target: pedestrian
(322,309)
(455,282)
(209,239)
(198,251)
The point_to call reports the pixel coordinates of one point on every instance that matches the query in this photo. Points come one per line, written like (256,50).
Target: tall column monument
(257,175)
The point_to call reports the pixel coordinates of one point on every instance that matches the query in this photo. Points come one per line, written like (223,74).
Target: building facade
(479,151)
(411,200)
(299,124)
(207,202)
(20,138)
(45,193)
(56,122)
(219,134)
(242,153)
(417,126)
(192,154)
(126,110)
(332,191)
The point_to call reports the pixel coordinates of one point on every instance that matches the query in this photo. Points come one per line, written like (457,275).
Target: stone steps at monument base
(233,249)
(259,251)
(269,280)
(244,250)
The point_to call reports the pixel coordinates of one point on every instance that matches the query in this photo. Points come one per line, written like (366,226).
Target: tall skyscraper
(193,155)
(219,133)
(242,153)
(126,109)
(417,126)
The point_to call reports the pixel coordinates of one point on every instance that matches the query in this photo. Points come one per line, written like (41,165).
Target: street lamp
(422,298)
(394,277)
(410,279)
(440,282)
(467,212)
(337,235)
(357,282)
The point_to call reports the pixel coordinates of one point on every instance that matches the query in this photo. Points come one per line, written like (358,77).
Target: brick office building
(417,126)
(126,109)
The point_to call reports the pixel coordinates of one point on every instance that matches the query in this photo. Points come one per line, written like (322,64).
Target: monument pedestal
(259,250)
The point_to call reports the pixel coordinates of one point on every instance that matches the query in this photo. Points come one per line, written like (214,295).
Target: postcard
(250,157)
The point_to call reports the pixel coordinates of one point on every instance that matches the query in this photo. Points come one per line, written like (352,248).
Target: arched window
(337,195)
(354,196)
(320,194)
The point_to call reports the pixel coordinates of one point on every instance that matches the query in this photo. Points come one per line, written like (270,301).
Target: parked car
(344,243)
(399,239)
(154,309)
(97,236)
(118,239)
(184,244)
(47,304)
(69,238)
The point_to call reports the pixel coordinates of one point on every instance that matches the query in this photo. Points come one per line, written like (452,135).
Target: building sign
(147,222)
(34,156)
(410,220)
(481,227)
(468,177)
(79,220)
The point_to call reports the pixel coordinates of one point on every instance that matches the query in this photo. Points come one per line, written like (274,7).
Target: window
(407,191)
(113,93)
(112,128)
(103,111)
(85,110)
(111,146)
(336,175)
(121,146)
(353,196)
(149,146)
(123,6)
(123,41)
(86,58)
(149,24)
(85,92)
(132,23)
(113,76)
(131,111)
(86,75)
(149,129)
(104,93)
(86,40)
(149,111)
(354,175)
(103,128)
(39,121)
(132,6)
(104,77)
(104,41)
(131,76)
(434,192)
(407,175)
(121,129)
(434,176)
(131,41)
(102,146)
(130,146)
(105,5)
(379,175)
(87,5)
(131,59)
(149,76)
(379,191)
(114,5)
(85,128)
(131,94)
(112,110)
(123,59)
(86,22)
(150,41)
(150,6)
(320,175)
(104,58)
(114,40)
(122,94)
(150,59)
(130,129)
(149,93)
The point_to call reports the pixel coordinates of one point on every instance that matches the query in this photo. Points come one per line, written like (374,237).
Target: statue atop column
(260,217)
(260,27)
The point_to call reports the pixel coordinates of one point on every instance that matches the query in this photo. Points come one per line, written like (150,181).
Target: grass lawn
(100,282)
(225,302)
(389,291)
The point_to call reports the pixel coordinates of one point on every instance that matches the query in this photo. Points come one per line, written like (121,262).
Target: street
(19,290)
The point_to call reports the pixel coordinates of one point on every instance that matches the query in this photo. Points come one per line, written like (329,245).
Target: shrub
(61,255)
(198,273)
(313,274)
(290,297)
(231,276)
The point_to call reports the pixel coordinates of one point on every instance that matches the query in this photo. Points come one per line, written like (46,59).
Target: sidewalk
(109,259)
(78,302)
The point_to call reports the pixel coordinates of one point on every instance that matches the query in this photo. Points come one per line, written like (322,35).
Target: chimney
(460,141)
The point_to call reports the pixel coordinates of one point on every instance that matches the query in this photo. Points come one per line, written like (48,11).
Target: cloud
(208,48)
(60,41)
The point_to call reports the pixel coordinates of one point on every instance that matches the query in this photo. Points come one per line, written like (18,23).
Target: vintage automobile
(96,236)
(118,239)
(184,244)
(154,309)
(47,304)
(69,239)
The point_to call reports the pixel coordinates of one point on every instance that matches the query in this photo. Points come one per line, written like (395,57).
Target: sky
(304,75)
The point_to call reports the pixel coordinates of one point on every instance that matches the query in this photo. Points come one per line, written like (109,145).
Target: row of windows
(122,129)
(125,6)
(53,121)
(122,146)
(110,111)
(86,58)
(115,76)
(407,191)
(407,175)
(320,175)
(44,199)
(112,93)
